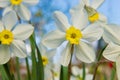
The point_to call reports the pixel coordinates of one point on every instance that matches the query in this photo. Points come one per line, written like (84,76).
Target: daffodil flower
(47,59)
(76,34)
(90,10)
(78,73)
(12,36)
(112,51)
(20,6)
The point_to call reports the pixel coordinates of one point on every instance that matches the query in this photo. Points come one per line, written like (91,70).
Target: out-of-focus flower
(78,73)
(112,51)
(12,36)
(20,6)
(110,64)
(76,36)
(91,9)
(47,59)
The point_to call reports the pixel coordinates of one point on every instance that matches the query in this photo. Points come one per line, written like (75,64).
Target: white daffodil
(90,10)
(75,34)
(78,73)
(56,72)
(47,58)
(112,51)
(20,6)
(12,36)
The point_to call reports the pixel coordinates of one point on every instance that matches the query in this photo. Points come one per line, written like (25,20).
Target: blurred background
(42,18)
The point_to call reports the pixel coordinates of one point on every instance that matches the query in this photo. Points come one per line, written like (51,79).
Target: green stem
(18,68)
(98,59)
(95,72)
(100,53)
(113,74)
(7,71)
(28,69)
(69,66)
(84,74)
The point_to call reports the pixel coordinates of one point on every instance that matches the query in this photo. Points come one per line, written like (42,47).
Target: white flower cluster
(12,32)
(78,33)
(85,26)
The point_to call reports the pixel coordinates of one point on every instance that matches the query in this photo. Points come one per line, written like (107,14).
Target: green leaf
(113,74)
(28,69)
(64,73)
(34,61)
(39,63)
(3,73)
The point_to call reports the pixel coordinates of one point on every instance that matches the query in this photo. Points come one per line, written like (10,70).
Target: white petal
(111,33)
(61,21)
(102,18)
(53,39)
(72,78)
(89,76)
(23,31)
(18,48)
(7,9)
(23,12)
(111,52)
(75,71)
(85,52)
(1,26)
(43,49)
(4,3)
(92,33)
(118,67)
(79,18)
(4,54)
(96,3)
(31,2)
(51,53)
(48,74)
(86,2)
(10,19)
(66,55)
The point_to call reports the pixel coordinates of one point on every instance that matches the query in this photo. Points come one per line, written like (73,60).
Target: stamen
(73,35)
(93,15)
(6,37)
(16,2)
(44,60)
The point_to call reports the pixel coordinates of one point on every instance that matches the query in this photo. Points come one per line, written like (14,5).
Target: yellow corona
(94,17)
(6,37)
(16,2)
(73,35)
(44,60)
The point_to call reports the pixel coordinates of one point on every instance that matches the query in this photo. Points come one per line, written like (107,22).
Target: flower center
(93,18)
(55,74)
(44,60)
(93,15)
(79,78)
(16,2)
(73,35)
(6,37)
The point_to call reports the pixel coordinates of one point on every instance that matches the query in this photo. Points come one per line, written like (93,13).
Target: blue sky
(110,8)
